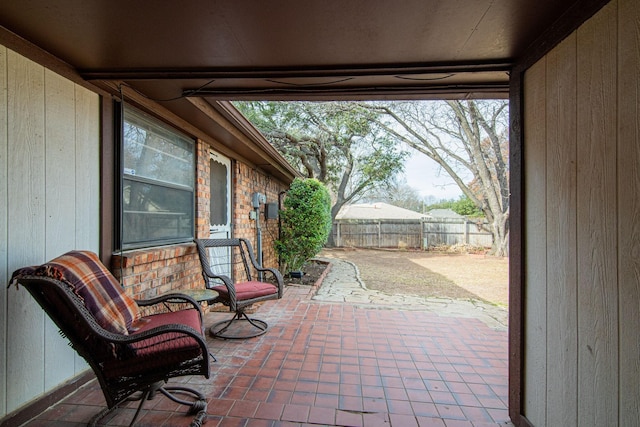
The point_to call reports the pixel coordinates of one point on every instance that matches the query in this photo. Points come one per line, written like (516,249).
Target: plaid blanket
(103,296)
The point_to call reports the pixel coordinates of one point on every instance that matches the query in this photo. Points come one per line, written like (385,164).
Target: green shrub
(465,207)
(305,223)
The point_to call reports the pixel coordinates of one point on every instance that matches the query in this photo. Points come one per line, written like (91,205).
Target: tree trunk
(331,243)
(500,231)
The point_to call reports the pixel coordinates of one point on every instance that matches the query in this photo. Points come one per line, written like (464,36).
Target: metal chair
(132,355)
(230,268)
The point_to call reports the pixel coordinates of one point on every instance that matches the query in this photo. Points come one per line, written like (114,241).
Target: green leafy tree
(465,206)
(337,143)
(442,204)
(305,223)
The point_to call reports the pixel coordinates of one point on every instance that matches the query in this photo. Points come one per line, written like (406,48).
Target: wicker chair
(92,311)
(230,268)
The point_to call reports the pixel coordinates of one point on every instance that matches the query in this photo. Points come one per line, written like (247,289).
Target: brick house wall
(247,181)
(149,272)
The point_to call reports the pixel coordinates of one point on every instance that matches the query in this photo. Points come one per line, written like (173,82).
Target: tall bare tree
(468,139)
(398,193)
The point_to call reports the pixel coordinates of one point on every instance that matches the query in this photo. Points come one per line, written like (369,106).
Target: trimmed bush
(305,223)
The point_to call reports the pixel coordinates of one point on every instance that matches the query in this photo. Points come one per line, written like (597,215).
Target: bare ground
(459,276)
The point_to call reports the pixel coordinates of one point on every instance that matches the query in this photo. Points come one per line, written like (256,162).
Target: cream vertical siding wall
(582,226)
(49,204)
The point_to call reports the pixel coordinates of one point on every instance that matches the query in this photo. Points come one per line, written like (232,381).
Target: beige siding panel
(60,165)
(87,177)
(629,209)
(597,221)
(50,137)
(87,147)
(26,226)
(4,273)
(49,165)
(535,250)
(562,320)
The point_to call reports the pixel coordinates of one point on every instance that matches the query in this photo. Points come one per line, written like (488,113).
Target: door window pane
(219,194)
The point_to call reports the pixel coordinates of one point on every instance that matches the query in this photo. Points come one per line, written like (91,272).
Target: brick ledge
(146,255)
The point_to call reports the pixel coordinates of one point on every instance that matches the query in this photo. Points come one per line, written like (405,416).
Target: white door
(220,208)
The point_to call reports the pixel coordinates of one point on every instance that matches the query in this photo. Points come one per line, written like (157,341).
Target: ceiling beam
(223,73)
(456,91)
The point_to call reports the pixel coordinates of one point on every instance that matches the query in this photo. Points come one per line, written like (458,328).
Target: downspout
(280,194)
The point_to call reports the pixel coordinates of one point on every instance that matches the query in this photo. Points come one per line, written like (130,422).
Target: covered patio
(570,70)
(335,364)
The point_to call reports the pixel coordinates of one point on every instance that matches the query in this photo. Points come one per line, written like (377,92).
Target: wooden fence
(410,233)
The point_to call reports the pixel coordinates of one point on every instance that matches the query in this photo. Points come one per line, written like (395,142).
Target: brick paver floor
(336,364)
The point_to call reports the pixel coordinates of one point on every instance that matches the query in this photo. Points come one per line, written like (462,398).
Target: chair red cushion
(162,350)
(172,341)
(248,290)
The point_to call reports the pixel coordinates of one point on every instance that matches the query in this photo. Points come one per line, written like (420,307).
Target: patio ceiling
(290,49)
(192,57)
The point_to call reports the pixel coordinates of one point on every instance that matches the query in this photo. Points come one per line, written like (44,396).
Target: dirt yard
(460,276)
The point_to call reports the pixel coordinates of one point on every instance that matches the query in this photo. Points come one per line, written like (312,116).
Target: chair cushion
(158,353)
(167,341)
(103,296)
(248,290)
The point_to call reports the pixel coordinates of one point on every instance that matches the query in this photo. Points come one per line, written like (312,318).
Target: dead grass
(459,276)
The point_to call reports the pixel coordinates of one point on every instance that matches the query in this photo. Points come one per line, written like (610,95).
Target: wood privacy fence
(409,233)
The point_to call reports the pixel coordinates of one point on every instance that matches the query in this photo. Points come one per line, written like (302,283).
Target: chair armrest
(225,279)
(176,297)
(260,268)
(173,298)
(278,276)
(170,328)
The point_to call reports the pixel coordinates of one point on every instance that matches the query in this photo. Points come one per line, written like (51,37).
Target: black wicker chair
(129,365)
(230,268)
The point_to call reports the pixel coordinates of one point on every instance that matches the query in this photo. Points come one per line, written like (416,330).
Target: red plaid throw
(112,308)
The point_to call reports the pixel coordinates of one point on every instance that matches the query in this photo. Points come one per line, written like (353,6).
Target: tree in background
(463,206)
(468,139)
(338,143)
(398,193)
(305,223)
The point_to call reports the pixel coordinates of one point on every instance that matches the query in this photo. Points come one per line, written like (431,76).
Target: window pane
(157,183)
(218,193)
(155,213)
(154,152)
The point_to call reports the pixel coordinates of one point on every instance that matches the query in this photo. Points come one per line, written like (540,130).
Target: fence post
(338,237)
(406,232)
(379,234)
(466,231)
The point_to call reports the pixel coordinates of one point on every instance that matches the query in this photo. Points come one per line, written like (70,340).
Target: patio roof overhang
(192,57)
(290,49)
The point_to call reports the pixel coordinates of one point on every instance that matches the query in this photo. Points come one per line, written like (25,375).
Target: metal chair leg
(218,329)
(197,406)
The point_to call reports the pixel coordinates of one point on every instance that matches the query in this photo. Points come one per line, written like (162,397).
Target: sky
(425,175)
